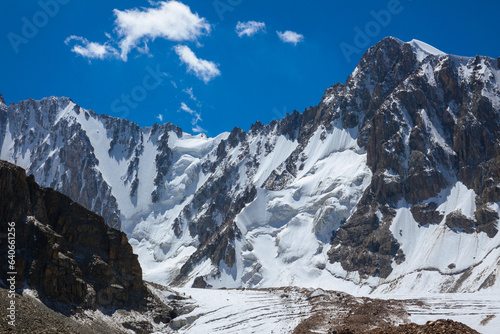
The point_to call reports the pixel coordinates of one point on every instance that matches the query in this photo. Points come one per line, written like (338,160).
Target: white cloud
(90,49)
(196,117)
(250,28)
(171,20)
(203,69)
(185,108)
(198,129)
(189,91)
(160,117)
(290,37)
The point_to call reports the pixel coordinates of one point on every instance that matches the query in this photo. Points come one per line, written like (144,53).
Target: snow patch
(423,50)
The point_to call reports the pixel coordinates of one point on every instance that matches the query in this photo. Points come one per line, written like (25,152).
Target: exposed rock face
(65,252)
(484,221)
(425,124)
(219,246)
(456,220)
(426,213)
(35,131)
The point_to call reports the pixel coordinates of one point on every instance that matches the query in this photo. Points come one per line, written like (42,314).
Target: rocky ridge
(66,253)
(434,127)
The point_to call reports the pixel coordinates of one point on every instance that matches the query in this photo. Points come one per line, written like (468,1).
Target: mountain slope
(103,163)
(431,145)
(390,183)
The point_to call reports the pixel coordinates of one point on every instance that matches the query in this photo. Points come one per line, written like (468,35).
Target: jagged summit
(2,101)
(377,188)
(415,44)
(421,48)
(390,38)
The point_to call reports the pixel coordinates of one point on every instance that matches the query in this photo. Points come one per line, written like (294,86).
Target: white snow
(436,133)
(423,50)
(269,162)
(8,142)
(436,256)
(236,311)
(479,311)
(286,233)
(111,169)
(284,243)
(277,311)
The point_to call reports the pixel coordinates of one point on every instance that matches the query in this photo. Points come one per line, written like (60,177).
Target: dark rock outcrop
(426,213)
(459,222)
(65,252)
(59,151)
(217,245)
(431,327)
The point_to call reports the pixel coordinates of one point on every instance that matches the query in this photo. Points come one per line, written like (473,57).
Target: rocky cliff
(63,251)
(427,125)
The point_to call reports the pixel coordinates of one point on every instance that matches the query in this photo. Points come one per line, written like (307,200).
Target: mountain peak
(388,43)
(58,100)
(2,101)
(421,49)
(391,39)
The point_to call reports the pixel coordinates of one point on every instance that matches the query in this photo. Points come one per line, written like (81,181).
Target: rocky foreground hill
(66,261)
(388,185)
(65,251)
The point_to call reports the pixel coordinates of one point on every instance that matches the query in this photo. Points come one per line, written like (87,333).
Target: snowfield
(481,313)
(280,311)
(250,311)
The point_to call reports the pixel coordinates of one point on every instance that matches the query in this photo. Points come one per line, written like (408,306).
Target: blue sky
(186,62)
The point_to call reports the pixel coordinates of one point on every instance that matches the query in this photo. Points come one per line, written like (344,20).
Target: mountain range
(389,185)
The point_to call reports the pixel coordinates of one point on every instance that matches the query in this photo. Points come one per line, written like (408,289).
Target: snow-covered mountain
(110,165)
(390,184)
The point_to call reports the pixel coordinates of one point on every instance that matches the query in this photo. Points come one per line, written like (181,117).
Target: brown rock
(65,251)
(431,327)
(459,222)
(423,180)
(426,213)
